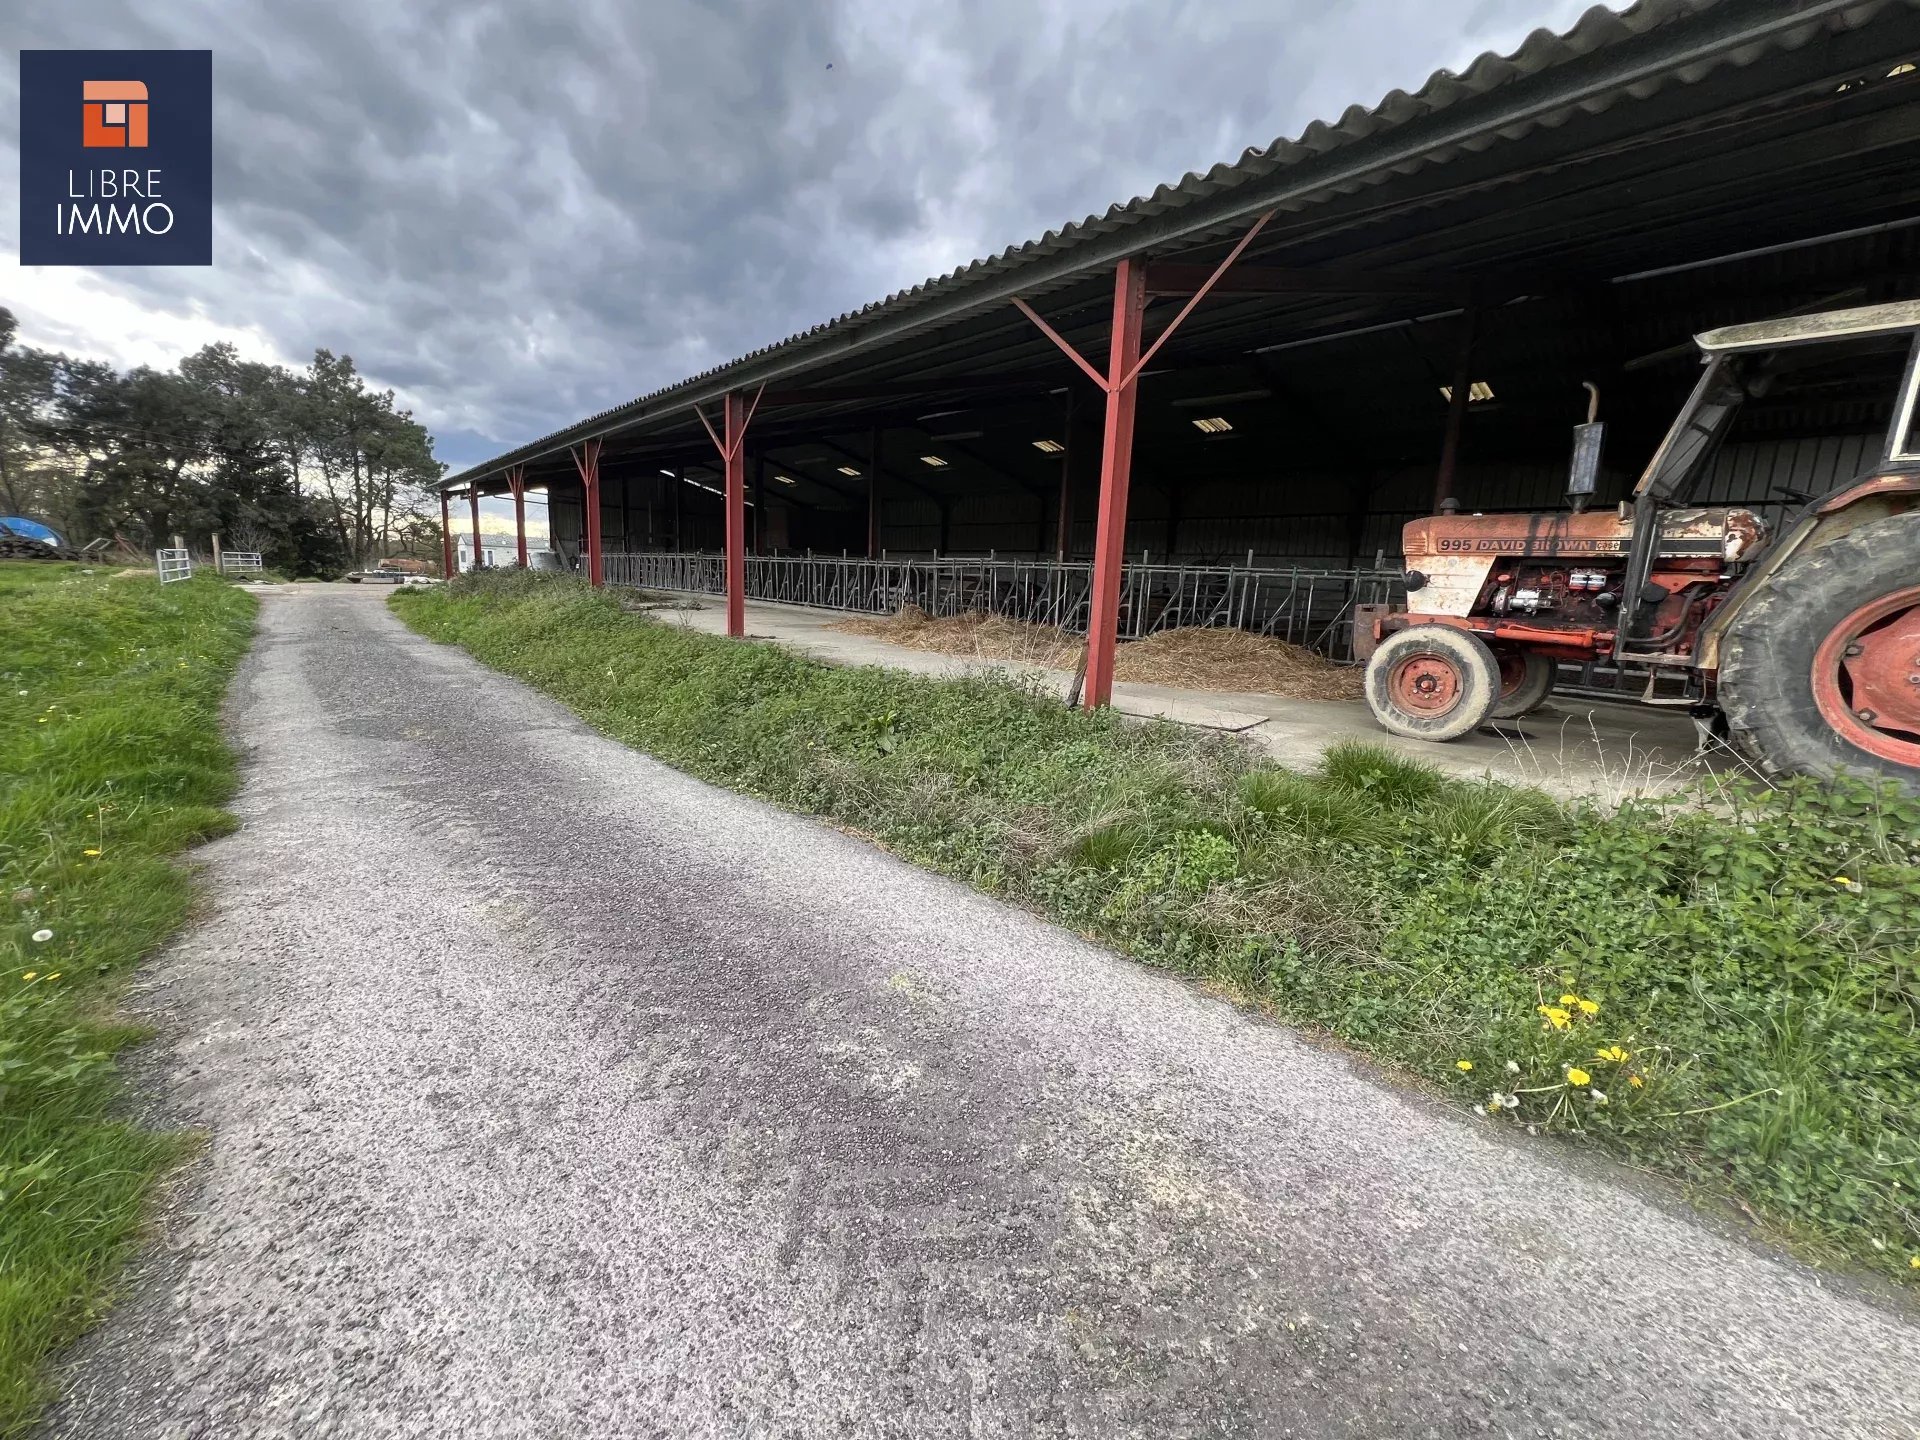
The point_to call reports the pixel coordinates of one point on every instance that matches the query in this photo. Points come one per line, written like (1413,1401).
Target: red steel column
(1116,471)
(587,461)
(736,432)
(473,497)
(517,482)
(446,538)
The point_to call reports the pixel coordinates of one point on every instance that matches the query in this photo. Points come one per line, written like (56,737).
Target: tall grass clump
(1726,989)
(111,761)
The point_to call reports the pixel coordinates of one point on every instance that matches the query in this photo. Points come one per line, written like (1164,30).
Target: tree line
(310,467)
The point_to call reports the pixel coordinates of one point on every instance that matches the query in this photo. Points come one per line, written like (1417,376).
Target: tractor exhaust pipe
(1583,474)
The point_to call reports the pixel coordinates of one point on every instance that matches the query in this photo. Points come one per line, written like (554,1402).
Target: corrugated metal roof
(1409,131)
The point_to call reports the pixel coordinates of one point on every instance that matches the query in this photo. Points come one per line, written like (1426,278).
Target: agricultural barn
(1219,403)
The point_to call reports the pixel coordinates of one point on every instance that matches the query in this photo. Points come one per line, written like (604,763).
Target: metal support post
(587,461)
(735,417)
(446,538)
(1121,383)
(1116,472)
(736,499)
(473,499)
(517,483)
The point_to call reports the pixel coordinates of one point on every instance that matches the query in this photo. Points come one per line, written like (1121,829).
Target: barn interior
(1441,289)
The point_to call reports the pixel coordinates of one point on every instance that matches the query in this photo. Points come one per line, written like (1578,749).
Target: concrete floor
(1570,747)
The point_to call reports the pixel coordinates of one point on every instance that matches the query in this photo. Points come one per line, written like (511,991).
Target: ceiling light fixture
(1213,424)
(848,470)
(1048,447)
(933,460)
(1476,392)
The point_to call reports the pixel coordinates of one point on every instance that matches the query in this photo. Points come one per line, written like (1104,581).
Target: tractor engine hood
(1715,532)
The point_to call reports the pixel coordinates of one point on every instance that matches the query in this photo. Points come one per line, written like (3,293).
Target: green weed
(110,761)
(1391,780)
(1729,991)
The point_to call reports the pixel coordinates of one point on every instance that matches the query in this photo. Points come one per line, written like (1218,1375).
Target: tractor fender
(1870,488)
(1838,513)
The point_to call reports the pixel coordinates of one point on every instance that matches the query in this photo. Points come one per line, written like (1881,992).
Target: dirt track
(552,1093)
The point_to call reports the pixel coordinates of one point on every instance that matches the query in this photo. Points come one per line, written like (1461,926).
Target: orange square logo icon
(114,115)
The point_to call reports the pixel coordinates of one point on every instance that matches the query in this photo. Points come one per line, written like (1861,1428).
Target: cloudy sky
(515,216)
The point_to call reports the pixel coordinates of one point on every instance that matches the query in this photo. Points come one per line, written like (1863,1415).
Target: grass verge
(111,761)
(1726,993)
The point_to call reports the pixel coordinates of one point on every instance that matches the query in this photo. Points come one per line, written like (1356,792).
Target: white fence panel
(174,565)
(240,562)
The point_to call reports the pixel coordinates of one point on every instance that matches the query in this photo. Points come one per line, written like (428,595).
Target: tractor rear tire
(1821,670)
(1432,682)
(1526,680)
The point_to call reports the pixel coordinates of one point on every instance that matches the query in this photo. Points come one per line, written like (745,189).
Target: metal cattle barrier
(1309,607)
(173,565)
(245,562)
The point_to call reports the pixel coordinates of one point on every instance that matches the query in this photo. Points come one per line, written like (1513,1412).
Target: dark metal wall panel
(1307,519)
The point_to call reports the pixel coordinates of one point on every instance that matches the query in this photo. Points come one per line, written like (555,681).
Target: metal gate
(173,565)
(1307,607)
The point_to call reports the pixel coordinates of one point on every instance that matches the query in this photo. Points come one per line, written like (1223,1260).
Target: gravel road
(552,1093)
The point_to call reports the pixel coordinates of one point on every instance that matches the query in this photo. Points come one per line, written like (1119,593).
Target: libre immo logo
(132,182)
(116,115)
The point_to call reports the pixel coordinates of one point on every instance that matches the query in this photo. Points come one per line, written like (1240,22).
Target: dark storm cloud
(517,217)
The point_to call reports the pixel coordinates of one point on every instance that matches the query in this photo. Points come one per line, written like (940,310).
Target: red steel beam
(446,538)
(736,416)
(517,483)
(1198,295)
(586,460)
(473,496)
(1116,471)
(1065,348)
(1122,386)
(1112,381)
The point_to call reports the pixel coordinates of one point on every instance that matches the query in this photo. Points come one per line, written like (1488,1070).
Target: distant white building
(498,552)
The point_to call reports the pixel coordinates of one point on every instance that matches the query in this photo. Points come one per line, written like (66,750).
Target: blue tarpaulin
(29,529)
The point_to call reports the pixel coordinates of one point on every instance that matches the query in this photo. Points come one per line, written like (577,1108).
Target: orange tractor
(1802,647)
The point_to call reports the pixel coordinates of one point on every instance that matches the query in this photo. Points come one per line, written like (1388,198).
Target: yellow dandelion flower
(1589,1007)
(1913,1262)
(1842,880)
(1635,1081)
(1493,1107)
(89,852)
(1556,1017)
(1569,999)
(1463,1064)
(55,975)
(1577,1076)
(1612,1052)
(30,975)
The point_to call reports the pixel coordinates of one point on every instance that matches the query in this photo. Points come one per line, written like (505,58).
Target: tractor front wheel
(1821,672)
(1432,682)
(1526,680)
